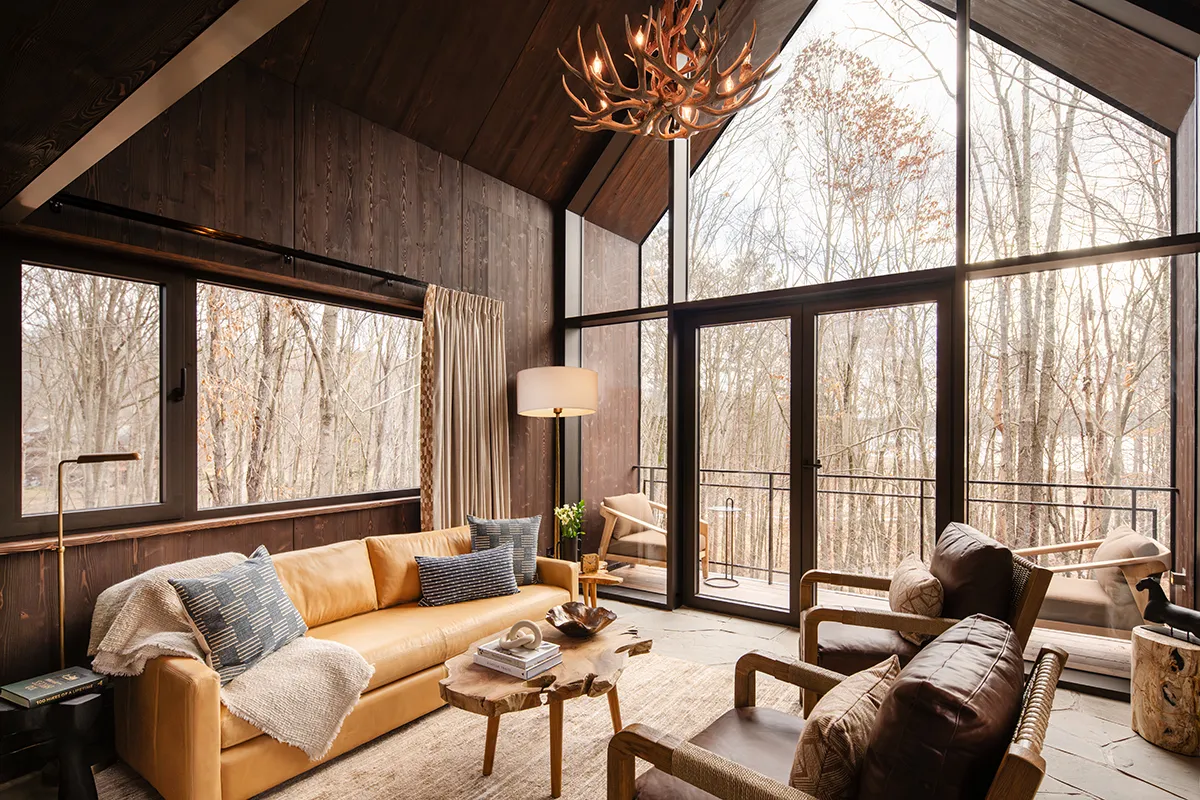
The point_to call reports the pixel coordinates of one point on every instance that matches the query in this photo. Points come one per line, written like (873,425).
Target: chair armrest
(168,727)
(658,506)
(875,618)
(789,670)
(689,763)
(810,579)
(1115,562)
(1069,547)
(634,520)
(557,572)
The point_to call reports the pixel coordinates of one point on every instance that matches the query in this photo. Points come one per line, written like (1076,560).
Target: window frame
(179,462)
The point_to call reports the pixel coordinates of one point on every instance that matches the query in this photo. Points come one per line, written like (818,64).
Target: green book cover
(54,686)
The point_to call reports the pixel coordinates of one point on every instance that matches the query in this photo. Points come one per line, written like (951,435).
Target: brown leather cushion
(328,583)
(759,738)
(850,648)
(636,505)
(944,726)
(393,560)
(975,571)
(1084,602)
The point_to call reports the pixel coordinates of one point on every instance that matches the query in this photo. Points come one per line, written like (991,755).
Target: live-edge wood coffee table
(590,667)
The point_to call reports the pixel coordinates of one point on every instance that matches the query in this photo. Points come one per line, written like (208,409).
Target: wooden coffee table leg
(556,743)
(489,746)
(614,708)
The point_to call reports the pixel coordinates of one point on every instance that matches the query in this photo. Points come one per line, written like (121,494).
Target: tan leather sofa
(172,728)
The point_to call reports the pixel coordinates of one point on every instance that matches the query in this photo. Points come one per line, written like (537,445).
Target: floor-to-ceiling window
(978,311)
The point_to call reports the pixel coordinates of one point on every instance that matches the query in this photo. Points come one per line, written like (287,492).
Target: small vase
(568,549)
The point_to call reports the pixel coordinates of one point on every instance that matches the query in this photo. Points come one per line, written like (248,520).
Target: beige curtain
(464,410)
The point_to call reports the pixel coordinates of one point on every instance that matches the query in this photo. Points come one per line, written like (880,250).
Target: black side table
(71,722)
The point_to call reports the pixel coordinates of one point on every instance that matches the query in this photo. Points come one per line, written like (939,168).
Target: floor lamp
(89,458)
(557,392)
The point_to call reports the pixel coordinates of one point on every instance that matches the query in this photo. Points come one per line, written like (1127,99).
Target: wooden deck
(1099,654)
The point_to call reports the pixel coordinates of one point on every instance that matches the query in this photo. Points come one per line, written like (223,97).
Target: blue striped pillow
(472,576)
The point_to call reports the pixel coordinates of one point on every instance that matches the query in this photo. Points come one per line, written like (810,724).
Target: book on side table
(520,662)
(52,687)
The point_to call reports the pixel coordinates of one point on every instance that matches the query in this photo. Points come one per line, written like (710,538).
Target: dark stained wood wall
(248,153)
(29,586)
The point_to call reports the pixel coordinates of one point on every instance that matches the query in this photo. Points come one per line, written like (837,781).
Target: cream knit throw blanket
(298,695)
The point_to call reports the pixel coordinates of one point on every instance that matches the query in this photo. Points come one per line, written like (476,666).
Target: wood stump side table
(1165,690)
(590,667)
(589,581)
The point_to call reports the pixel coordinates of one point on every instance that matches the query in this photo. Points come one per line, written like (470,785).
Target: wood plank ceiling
(64,66)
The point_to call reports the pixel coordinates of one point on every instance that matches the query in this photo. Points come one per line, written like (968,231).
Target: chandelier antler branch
(680,89)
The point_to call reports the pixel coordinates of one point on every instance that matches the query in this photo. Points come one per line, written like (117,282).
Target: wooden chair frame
(1133,569)
(1026,605)
(1018,777)
(612,517)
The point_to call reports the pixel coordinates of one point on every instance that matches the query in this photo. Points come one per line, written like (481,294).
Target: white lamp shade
(541,390)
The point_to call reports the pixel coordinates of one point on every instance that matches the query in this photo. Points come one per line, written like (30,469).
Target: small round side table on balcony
(726,581)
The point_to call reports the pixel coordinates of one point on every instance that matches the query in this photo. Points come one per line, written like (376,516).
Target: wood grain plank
(611,270)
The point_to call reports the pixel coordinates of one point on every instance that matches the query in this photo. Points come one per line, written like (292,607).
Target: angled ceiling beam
(215,46)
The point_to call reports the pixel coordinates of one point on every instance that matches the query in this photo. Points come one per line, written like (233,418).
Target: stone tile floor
(1091,752)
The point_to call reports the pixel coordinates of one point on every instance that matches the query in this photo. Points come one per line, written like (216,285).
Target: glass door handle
(812,464)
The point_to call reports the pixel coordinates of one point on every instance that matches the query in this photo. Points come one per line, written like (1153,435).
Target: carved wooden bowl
(576,619)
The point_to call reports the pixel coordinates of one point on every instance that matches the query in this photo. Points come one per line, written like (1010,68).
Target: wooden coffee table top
(590,667)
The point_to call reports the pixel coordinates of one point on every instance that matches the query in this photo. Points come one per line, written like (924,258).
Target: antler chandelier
(680,90)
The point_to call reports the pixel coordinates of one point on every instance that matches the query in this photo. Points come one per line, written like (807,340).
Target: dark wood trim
(216,271)
(188,526)
(616,317)
(1161,247)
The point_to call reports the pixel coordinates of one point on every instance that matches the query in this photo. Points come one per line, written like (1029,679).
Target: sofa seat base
(261,763)
(406,639)
(762,739)
(1081,601)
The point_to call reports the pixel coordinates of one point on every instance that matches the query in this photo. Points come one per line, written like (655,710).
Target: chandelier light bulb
(597,65)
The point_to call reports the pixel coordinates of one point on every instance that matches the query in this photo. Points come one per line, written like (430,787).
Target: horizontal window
(90,383)
(300,399)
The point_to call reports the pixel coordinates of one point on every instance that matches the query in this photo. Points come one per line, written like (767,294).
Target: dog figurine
(1160,609)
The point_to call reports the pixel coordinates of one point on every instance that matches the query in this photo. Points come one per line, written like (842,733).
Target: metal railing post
(770,527)
(1133,509)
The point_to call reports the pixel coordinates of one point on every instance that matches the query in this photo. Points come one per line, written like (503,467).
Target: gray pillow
(522,534)
(241,614)
(471,576)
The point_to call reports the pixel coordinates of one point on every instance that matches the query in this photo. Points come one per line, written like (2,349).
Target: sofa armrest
(168,722)
(557,572)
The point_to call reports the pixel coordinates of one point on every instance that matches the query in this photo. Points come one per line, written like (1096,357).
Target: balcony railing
(904,506)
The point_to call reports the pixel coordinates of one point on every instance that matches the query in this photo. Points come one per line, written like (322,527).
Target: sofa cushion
(975,572)
(852,648)
(829,753)
(522,534)
(393,560)
(762,739)
(914,590)
(634,504)
(945,723)
(1121,542)
(240,615)
(328,583)
(646,545)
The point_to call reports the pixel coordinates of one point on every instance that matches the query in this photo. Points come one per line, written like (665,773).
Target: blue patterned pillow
(522,534)
(241,614)
(471,576)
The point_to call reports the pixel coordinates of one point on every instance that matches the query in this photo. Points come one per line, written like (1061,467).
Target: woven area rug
(441,754)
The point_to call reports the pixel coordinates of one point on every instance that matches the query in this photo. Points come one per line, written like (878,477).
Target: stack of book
(51,688)
(520,662)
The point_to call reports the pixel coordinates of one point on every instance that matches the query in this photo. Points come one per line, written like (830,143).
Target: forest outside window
(91,349)
(299,399)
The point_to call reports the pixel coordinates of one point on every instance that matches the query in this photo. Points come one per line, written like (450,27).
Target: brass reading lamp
(557,392)
(89,458)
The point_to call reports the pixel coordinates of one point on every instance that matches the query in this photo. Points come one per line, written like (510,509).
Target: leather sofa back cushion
(393,560)
(975,573)
(945,723)
(328,583)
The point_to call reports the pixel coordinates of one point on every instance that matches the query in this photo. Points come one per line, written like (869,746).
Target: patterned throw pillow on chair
(522,534)
(836,733)
(240,615)
(915,591)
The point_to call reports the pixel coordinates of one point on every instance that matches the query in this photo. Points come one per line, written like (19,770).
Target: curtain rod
(288,253)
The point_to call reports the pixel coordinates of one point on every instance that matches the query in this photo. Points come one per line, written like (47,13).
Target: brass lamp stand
(89,458)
